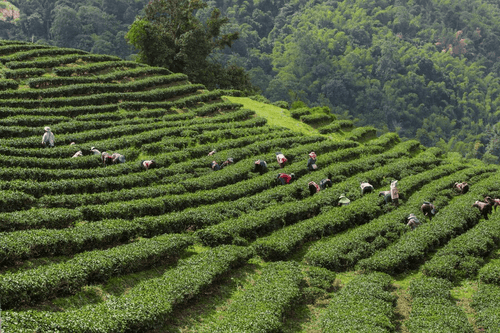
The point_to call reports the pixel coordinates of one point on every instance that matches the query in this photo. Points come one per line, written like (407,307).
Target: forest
(426,69)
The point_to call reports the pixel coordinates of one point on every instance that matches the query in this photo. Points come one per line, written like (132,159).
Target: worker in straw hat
(48,138)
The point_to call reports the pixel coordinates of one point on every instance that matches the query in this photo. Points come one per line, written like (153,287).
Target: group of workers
(390,196)
(48,141)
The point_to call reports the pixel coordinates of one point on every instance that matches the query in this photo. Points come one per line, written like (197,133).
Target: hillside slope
(91,248)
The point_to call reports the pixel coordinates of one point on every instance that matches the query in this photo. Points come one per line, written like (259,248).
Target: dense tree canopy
(97,26)
(170,35)
(427,69)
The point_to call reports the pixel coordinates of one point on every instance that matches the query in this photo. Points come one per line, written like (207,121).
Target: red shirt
(286,177)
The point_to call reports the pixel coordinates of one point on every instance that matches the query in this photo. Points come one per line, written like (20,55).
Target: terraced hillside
(182,248)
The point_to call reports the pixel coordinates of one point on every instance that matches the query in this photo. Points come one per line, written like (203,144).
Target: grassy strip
(143,306)
(433,309)
(262,307)
(364,305)
(345,250)
(19,289)
(411,249)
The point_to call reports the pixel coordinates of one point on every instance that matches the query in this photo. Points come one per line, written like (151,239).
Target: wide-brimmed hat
(47,128)
(312,154)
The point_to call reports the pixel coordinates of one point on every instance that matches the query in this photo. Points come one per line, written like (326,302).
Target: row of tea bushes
(433,309)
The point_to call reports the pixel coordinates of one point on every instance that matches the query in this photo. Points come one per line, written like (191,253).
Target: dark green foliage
(486,304)
(141,307)
(452,221)
(463,256)
(364,305)
(297,113)
(18,289)
(263,306)
(8,84)
(170,35)
(433,310)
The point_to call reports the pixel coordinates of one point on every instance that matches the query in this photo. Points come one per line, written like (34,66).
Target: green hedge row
(38,218)
(151,132)
(143,306)
(39,174)
(38,52)
(96,67)
(62,111)
(336,126)
(490,273)
(24,288)
(154,95)
(453,220)
(205,110)
(463,256)
(297,113)
(362,133)
(20,245)
(341,251)
(433,309)
(14,200)
(34,243)
(33,120)
(176,143)
(8,84)
(208,189)
(8,47)
(249,226)
(316,118)
(180,103)
(345,250)
(46,82)
(210,140)
(93,88)
(364,305)
(129,176)
(167,115)
(58,60)
(262,307)
(23,73)
(487,306)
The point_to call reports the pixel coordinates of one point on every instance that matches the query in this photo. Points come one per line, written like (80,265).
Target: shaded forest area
(97,26)
(426,69)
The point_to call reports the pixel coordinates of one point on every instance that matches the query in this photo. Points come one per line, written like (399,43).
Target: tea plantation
(182,248)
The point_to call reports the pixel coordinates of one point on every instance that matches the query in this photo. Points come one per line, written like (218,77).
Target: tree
(169,35)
